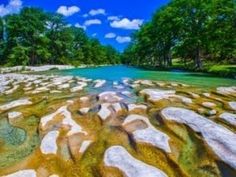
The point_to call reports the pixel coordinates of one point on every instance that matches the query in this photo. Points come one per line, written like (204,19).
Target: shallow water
(116,73)
(191,156)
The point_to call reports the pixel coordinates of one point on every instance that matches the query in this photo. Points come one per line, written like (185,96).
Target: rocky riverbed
(73,126)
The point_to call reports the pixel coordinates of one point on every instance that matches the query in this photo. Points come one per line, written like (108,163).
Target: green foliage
(195,31)
(34,37)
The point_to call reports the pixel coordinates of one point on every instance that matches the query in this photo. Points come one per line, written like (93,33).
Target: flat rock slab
(118,157)
(155,95)
(153,137)
(14,115)
(221,140)
(49,143)
(226,90)
(109,96)
(209,104)
(23,173)
(16,103)
(132,107)
(149,135)
(229,117)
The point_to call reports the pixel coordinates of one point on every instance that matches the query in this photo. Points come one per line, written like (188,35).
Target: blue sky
(111,21)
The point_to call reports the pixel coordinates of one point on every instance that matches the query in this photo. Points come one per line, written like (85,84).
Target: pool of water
(116,73)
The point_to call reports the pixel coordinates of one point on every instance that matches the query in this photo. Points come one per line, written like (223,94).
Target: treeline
(195,32)
(34,37)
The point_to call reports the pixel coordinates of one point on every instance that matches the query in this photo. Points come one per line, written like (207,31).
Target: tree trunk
(198,62)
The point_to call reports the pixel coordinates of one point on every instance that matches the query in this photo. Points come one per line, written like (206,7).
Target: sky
(111,21)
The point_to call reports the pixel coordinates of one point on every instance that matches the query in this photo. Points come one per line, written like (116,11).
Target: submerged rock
(118,157)
(23,173)
(99,83)
(221,140)
(11,135)
(49,143)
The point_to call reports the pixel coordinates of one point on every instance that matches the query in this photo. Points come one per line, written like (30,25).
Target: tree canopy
(192,31)
(34,37)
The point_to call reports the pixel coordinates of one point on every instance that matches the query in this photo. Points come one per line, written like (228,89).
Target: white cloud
(85,15)
(92,22)
(125,23)
(113,18)
(94,34)
(123,39)
(68,11)
(77,25)
(94,12)
(13,6)
(110,35)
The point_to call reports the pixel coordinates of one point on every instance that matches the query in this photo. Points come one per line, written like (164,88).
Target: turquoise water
(116,73)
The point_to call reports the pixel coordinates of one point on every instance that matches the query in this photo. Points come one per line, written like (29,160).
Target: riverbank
(29,69)
(228,71)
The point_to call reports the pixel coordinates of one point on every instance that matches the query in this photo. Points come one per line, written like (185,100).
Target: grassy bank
(221,70)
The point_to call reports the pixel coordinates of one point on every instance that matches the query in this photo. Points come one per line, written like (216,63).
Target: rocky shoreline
(73,125)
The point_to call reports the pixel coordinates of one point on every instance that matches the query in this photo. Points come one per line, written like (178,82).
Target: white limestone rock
(117,107)
(54,175)
(153,137)
(229,117)
(16,103)
(212,112)
(80,87)
(209,104)
(15,87)
(84,146)
(23,173)
(99,83)
(84,99)
(84,110)
(132,107)
(156,94)
(126,93)
(118,157)
(67,120)
(232,104)
(104,112)
(149,135)
(14,115)
(220,139)
(49,143)
(226,90)
(109,96)
(63,86)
